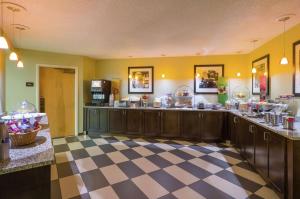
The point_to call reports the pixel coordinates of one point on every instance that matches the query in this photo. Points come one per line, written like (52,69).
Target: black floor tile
(107,148)
(55,190)
(88,143)
(130,169)
(130,154)
(94,179)
(66,169)
(61,148)
(79,154)
(166,180)
(128,189)
(182,154)
(193,169)
(216,161)
(102,160)
(72,139)
(159,161)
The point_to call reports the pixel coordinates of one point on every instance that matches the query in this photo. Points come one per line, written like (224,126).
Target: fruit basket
(23,124)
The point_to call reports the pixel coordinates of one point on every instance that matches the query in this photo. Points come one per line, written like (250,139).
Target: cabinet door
(170,123)
(133,121)
(116,120)
(211,126)
(261,151)
(190,124)
(103,120)
(231,128)
(151,121)
(93,119)
(277,157)
(242,130)
(249,143)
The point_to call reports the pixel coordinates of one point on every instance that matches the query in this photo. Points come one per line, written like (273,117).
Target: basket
(20,139)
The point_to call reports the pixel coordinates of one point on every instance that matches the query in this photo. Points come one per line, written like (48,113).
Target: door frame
(38,66)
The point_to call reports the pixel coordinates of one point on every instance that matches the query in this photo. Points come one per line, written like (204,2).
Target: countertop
(290,134)
(40,153)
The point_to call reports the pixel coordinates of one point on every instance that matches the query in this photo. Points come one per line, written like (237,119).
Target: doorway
(57,97)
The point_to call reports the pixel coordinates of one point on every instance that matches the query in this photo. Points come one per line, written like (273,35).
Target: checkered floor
(135,168)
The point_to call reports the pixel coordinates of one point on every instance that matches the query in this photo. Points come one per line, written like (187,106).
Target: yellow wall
(16,78)
(178,70)
(281,75)
(2,81)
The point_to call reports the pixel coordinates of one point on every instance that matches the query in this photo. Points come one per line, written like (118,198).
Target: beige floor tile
(224,158)
(267,193)
(143,151)
(150,187)
(122,138)
(141,141)
(63,157)
(94,151)
(100,141)
(181,175)
(85,164)
(171,157)
(54,175)
(186,192)
(59,141)
(145,165)
(247,174)
(230,188)
(206,165)
(166,147)
(72,186)
(209,147)
(103,193)
(119,146)
(191,151)
(113,174)
(183,142)
(75,146)
(83,137)
(117,157)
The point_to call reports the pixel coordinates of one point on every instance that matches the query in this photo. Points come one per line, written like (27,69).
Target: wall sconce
(130,77)
(163,76)
(238,74)
(198,75)
(253,70)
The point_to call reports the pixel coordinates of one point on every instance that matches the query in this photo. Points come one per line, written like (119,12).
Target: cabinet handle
(266,136)
(199,115)
(235,120)
(158,114)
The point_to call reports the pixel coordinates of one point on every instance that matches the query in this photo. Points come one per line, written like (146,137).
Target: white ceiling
(150,28)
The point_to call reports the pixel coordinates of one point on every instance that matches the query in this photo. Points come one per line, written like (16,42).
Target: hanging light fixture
(13,55)
(283,19)
(3,42)
(20,64)
(20,28)
(253,71)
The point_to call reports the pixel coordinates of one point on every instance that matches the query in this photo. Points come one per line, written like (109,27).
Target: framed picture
(206,77)
(140,80)
(296,62)
(260,79)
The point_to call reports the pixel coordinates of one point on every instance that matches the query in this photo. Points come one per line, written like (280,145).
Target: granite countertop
(40,153)
(290,134)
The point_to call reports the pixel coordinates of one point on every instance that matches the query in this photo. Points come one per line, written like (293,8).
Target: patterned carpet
(135,168)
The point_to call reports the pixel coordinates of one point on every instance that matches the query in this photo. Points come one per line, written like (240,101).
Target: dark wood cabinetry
(261,152)
(151,123)
(190,124)
(212,126)
(116,120)
(95,120)
(249,140)
(170,123)
(133,121)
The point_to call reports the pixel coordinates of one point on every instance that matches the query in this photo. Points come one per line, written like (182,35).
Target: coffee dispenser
(4,142)
(100,91)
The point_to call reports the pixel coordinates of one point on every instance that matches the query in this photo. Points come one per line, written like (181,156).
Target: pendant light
(284,60)
(20,64)
(20,28)
(13,55)
(253,68)
(3,42)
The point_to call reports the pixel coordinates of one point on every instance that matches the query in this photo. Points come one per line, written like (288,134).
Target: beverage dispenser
(100,91)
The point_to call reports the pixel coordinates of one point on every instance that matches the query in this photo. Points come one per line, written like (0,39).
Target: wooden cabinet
(170,123)
(151,122)
(211,125)
(95,120)
(277,160)
(116,120)
(249,148)
(261,152)
(133,121)
(190,124)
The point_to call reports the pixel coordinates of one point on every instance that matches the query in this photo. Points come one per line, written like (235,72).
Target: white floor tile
(247,174)
(143,151)
(113,174)
(267,193)
(145,165)
(59,141)
(186,192)
(72,186)
(103,193)
(63,157)
(117,157)
(100,141)
(85,164)
(191,151)
(171,157)
(119,146)
(94,151)
(209,147)
(181,175)
(224,158)
(75,146)
(165,147)
(144,183)
(228,187)
(206,165)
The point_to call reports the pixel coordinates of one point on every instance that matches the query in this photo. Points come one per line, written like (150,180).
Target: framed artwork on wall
(260,79)
(206,77)
(140,80)
(296,62)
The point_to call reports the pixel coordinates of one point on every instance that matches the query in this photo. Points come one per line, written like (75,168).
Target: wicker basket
(20,139)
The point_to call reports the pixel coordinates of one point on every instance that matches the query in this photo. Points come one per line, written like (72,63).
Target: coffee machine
(100,91)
